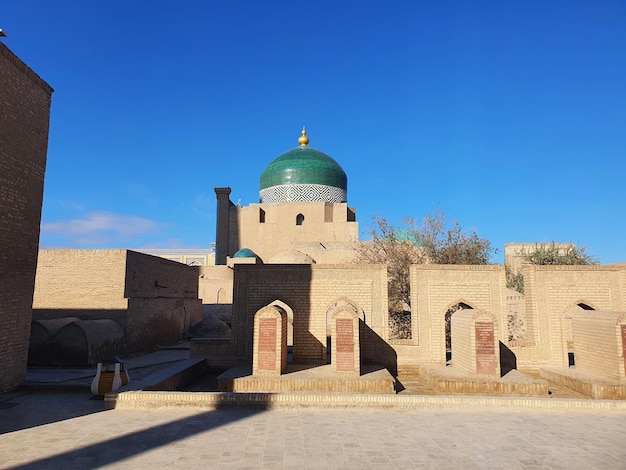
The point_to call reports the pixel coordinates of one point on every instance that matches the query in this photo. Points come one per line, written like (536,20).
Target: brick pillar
(222,225)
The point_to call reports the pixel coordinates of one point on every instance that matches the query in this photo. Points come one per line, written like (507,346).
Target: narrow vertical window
(299,219)
(261,216)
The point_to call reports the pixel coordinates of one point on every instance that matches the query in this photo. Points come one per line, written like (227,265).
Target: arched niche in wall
(448,321)
(289,311)
(566,325)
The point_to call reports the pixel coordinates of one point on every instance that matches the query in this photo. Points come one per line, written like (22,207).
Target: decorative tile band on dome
(302,193)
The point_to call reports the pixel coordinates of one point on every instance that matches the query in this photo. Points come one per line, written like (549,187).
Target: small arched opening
(569,337)
(448,320)
(290,338)
(299,219)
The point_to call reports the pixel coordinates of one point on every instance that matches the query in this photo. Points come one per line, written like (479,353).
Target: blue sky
(510,116)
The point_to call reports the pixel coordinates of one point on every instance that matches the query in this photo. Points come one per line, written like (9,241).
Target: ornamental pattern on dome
(303,174)
(302,193)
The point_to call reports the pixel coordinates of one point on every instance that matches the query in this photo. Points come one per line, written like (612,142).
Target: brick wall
(215,284)
(158,298)
(436,288)
(471,351)
(24,119)
(310,291)
(552,293)
(81,279)
(324,223)
(598,343)
(149,276)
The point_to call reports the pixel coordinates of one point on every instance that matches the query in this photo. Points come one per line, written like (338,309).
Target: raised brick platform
(319,379)
(219,400)
(448,380)
(591,385)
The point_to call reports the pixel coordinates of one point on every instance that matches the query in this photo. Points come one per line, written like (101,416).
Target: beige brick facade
(599,347)
(551,293)
(215,284)
(475,345)
(313,292)
(80,279)
(25,101)
(326,232)
(155,300)
(434,290)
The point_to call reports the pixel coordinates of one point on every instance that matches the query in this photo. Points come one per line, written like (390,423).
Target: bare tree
(436,240)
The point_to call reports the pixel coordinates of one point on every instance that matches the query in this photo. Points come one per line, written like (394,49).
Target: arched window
(261,216)
(299,219)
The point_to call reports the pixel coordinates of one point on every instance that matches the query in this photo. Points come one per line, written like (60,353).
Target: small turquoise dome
(404,235)
(245,253)
(303,174)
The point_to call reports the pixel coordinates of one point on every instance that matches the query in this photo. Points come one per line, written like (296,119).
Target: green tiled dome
(245,253)
(303,174)
(304,165)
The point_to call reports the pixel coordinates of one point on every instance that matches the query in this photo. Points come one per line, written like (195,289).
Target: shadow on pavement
(113,450)
(29,410)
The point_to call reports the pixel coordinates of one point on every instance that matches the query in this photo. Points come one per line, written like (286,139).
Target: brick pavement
(70,431)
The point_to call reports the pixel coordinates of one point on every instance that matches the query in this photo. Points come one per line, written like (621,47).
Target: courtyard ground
(55,423)
(71,431)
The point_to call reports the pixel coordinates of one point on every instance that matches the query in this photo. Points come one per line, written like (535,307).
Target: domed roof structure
(303,174)
(292,256)
(245,253)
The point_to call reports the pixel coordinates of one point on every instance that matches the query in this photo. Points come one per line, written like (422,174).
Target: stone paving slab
(77,434)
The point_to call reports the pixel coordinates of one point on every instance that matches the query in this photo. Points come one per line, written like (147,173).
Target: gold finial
(303,140)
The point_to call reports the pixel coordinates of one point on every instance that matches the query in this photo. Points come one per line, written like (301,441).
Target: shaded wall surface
(154,300)
(24,119)
(312,292)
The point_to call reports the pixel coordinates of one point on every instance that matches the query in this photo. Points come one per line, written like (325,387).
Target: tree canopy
(437,240)
(548,254)
(544,254)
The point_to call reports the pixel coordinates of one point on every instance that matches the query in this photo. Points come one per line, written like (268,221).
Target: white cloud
(98,228)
